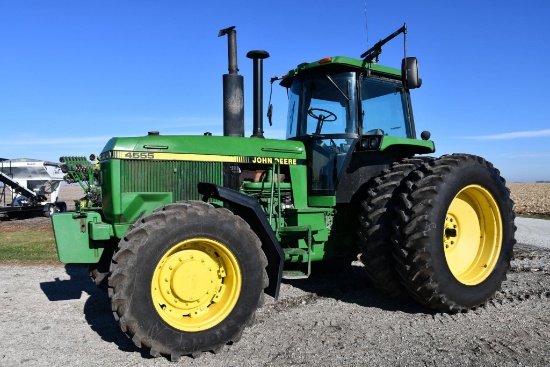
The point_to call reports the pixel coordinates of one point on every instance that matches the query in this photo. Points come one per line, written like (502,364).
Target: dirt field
(69,194)
(531,198)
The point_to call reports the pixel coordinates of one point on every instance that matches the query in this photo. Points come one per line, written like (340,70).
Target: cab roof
(338,63)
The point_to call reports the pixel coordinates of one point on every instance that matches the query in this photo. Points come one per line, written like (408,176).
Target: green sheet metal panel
(72,238)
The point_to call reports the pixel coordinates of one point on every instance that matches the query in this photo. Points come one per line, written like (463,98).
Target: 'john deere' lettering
(267,160)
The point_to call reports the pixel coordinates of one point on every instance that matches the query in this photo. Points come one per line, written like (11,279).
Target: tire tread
(119,282)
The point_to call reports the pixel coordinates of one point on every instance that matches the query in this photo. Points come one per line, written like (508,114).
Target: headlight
(105,155)
(370,142)
(374,142)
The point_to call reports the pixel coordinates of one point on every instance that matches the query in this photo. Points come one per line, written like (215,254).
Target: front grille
(178,177)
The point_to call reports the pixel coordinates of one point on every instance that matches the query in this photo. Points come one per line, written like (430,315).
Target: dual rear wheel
(447,232)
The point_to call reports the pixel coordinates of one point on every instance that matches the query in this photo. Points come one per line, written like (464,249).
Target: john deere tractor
(187,233)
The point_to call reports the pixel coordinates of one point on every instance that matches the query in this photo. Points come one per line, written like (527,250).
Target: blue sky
(75,73)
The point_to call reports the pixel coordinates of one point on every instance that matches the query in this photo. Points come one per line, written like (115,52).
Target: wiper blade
(338,87)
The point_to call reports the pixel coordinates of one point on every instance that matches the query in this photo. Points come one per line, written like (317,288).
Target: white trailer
(30,186)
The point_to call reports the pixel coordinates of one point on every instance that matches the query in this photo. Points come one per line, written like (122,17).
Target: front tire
(454,233)
(186,279)
(99,272)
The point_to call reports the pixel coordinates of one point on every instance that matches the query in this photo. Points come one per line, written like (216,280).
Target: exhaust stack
(258,56)
(233,91)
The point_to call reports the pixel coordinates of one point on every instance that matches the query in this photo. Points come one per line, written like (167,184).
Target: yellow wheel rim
(472,237)
(196,284)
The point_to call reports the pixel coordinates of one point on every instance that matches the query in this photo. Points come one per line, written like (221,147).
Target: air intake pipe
(233,91)
(257,57)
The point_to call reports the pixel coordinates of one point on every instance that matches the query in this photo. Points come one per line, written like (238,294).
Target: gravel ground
(52,315)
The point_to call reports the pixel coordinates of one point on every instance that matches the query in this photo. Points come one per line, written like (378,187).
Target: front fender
(250,210)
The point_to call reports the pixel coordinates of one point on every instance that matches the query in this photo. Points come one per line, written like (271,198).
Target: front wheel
(454,233)
(187,278)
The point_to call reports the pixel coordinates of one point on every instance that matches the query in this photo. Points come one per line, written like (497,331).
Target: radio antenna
(366,22)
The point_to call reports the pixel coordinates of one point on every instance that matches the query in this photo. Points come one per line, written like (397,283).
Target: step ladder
(297,232)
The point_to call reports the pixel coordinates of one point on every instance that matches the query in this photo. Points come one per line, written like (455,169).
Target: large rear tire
(186,279)
(376,228)
(454,233)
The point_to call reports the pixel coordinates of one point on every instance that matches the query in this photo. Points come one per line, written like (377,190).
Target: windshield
(327,105)
(324,112)
(385,109)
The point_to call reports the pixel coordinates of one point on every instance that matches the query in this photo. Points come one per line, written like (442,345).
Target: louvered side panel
(178,177)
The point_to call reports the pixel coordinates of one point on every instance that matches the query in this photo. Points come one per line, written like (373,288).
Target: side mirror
(409,73)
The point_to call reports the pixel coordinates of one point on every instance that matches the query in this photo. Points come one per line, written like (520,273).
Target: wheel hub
(196,284)
(191,281)
(190,276)
(451,232)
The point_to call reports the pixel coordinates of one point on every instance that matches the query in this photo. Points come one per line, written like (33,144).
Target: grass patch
(28,244)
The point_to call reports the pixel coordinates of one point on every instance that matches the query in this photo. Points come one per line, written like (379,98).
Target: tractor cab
(338,106)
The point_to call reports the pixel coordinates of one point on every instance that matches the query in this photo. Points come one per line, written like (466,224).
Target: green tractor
(187,233)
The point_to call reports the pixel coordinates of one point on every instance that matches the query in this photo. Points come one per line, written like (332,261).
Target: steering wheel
(330,117)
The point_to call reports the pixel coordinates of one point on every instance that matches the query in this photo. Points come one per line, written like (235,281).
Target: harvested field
(531,198)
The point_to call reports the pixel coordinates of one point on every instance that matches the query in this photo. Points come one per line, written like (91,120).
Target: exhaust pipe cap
(257,54)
